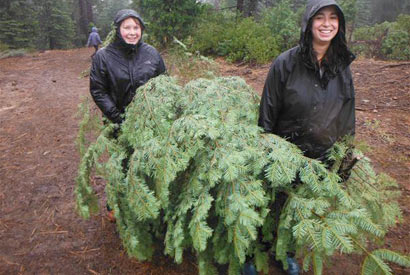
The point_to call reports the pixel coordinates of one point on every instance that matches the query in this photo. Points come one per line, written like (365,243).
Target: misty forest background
(253,31)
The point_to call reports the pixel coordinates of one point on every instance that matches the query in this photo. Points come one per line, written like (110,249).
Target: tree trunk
(217,4)
(253,4)
(90,16)
(239,6)
(83,20)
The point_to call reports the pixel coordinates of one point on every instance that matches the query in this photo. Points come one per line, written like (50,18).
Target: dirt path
(39,231)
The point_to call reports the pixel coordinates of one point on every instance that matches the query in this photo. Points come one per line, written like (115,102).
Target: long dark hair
(336,58)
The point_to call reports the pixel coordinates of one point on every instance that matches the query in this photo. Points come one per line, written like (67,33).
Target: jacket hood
(119,41)
(312,7)
(94,29)
(124,14)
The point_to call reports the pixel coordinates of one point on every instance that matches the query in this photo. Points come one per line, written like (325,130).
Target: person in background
(94,40)
(308,97)
(121,67)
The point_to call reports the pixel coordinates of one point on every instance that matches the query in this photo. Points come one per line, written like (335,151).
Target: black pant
(96,49)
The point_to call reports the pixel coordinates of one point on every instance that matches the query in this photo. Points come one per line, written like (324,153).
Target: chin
(133,42)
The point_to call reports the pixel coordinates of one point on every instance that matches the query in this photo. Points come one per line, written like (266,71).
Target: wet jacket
(118,70)
(94,38)
(296,105)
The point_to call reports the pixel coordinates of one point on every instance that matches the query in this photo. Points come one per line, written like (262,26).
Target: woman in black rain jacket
(308,96)
(123,66)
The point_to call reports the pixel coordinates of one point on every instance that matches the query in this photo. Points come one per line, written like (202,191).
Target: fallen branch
(53,232)
(396,65)
(8,262)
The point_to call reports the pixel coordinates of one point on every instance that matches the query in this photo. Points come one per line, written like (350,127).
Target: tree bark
(217,4)
(240,6)
(90,16)
(83,17)
(253,4)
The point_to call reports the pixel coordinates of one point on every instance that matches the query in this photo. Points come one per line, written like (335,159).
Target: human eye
(334,16)
(318,16)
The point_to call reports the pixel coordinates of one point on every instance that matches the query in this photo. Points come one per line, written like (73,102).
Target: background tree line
(246,30)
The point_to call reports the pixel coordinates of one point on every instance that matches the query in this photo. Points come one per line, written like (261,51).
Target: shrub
(282,22)
(209,36)
(386,40)
(368,40)
(3,47)
(168,19)
(237,39)
(186,66)
(396,44)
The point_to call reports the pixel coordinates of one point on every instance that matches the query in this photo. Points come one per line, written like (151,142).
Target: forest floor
(40,233)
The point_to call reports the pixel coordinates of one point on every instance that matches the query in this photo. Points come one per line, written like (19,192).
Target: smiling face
(130,30)
(325,25)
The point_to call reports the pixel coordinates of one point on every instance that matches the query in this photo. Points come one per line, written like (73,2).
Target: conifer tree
(17,25)
(168,19)
(192,170)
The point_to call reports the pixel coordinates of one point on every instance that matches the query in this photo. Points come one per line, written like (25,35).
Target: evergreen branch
(317,260)
(179,149)
(392,256)
(311,234)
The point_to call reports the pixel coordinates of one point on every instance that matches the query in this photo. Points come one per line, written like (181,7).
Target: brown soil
(40,233)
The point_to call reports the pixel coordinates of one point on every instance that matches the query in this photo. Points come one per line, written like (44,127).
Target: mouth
(326,31)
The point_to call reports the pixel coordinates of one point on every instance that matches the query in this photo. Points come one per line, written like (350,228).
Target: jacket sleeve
(271,98)
(88,41)
(99,90)
(161,66)
(348,116)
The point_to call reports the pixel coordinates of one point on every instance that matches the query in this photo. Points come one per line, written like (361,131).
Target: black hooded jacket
(120,68)
(310,110)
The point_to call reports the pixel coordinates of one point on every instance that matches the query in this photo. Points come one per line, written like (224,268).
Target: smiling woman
(325,25)
(308,97)
(131,30)
(120,68)
(123,66)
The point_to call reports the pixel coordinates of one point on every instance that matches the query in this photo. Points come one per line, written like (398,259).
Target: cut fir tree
(190,168)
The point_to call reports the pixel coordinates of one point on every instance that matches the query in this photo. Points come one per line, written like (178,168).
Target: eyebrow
(322,13)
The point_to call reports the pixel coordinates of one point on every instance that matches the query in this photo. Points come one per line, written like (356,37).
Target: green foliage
(192,170)
(374,262)
(368,40)
(56,25)
(41,24)
(210,33)
(105,13)
(168,19)
(186,66)
(388,40)
(396,44)
(349,8)
(12,53)
(282,22)
(3,47)
(17,26)
(241,39)
(89,126)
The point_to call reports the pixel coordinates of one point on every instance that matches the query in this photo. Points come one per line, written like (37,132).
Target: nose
(326,21)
